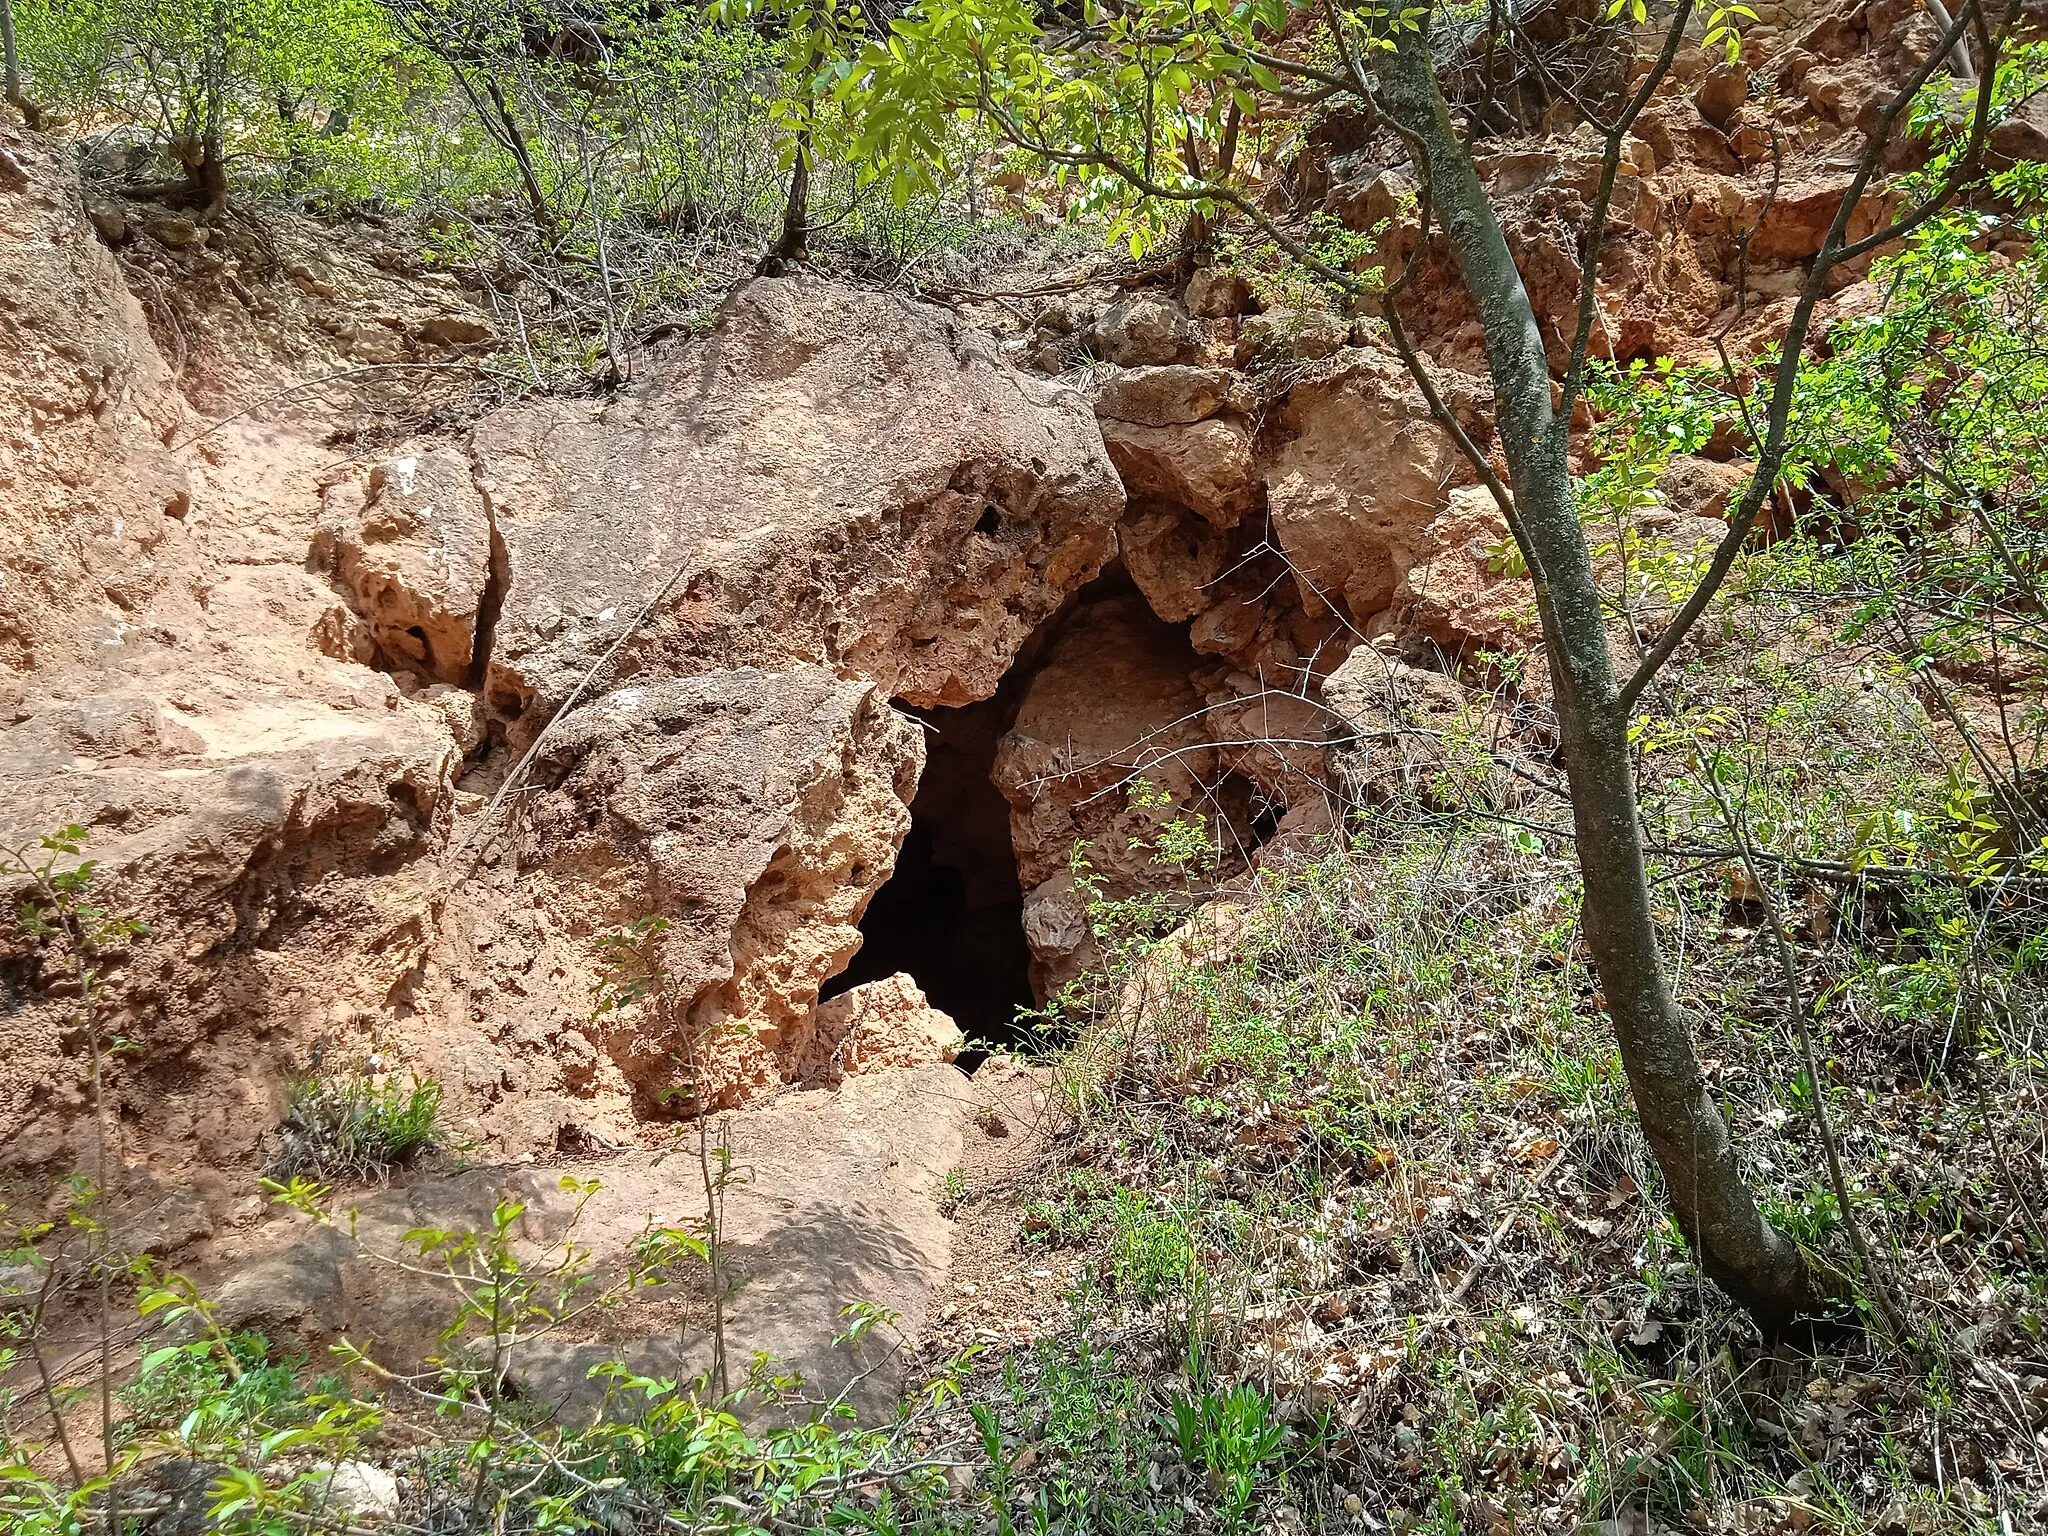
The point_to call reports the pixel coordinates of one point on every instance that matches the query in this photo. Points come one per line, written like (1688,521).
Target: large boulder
(833,476)
(758,812)
(1354,488)
(886,1023)
(411,543)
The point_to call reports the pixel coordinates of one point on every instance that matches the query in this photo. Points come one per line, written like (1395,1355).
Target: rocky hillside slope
(282,677)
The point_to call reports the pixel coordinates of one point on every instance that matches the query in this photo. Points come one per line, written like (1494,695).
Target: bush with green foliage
(355,1124)
(275,84)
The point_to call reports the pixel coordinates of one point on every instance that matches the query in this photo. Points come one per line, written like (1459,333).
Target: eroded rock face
(411,543)
(85,479)
(1109,745)
(861,501)
(1355,489)
(757,812)
(263,808)
(841,477)
(260,861)
(838,498)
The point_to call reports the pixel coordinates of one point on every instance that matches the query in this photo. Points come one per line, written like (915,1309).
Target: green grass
(355,1126)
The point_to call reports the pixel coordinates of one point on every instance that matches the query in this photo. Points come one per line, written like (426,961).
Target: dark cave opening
(952,914)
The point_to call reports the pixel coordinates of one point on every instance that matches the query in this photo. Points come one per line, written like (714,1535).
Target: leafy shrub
(1231,1436)
(209,1394)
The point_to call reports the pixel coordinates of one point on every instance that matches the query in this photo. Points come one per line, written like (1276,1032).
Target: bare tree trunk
(515,141)
(206,170)
(1195,231)
(10,69)
(793,244)
(1745,1254)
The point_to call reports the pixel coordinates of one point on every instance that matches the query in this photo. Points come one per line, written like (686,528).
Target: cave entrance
(952,914)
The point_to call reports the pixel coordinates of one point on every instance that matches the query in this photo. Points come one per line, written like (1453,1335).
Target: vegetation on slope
(1372,1235)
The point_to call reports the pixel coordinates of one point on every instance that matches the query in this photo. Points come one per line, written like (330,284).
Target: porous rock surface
(278,685)
(277,692)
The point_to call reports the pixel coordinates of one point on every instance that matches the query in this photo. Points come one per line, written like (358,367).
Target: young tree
(10,69)
(1129,98)
(481,43)
(202,79)
(817,39)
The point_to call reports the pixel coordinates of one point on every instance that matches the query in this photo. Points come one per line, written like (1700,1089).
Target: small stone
(20,1284)
(358,1489)
(310,281)
(1216,293)
(174,231)
(1143,329)
(110,221)
(1305,333)
(1722,93)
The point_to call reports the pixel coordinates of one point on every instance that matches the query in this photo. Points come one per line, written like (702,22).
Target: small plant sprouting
(356,1125)
(1230,1437)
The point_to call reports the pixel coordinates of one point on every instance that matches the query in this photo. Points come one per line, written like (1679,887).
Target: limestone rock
(886,1023)
(2021,135)
(761,808)
(1367,203)
(173,230)
(1699,487)
(1111,705)
(1143,329)
(411,546)
(842,477)
(360,1490)
(85,479)
(1174,556)
(1217,293)
(1469,591)
(21,1282)
(110,220)
(1354,489)
(841,1206)
(1722,92)
(1391,730)
(277,851)
(1792,227)
(1277,334)
(1205,466)
(1378,205)
(1171,395)
(454,330)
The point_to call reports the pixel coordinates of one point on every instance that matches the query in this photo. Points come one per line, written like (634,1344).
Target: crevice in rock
(497,581)
(952,913)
